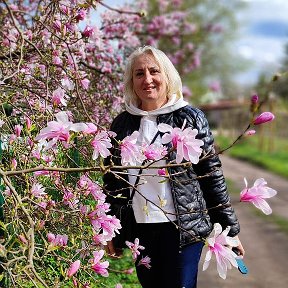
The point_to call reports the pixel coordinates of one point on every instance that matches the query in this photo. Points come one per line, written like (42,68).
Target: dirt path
(266,247)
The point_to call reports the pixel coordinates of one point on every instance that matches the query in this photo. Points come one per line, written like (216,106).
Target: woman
(173,239)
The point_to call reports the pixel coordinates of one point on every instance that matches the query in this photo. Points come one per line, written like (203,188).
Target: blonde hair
(172,78)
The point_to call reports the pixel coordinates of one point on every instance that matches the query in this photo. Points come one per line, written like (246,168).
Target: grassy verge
(280,222)
(256,151)
(119,272)
(231,187)
(275,161)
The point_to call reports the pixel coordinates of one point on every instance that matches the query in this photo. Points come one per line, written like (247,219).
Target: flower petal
(165,128)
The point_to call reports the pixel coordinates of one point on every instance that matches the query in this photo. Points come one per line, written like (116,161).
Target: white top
(151,187)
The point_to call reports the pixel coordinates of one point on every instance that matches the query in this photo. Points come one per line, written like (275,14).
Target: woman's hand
(240,247)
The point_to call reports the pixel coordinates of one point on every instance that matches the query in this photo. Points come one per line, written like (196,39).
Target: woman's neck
(150,106)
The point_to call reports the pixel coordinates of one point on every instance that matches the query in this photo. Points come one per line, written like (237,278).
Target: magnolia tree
(60,82)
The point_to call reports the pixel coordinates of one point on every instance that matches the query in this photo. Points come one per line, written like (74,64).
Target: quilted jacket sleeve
(213,184)
(114,185)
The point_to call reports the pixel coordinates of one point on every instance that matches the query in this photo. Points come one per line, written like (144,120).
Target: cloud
(264,33)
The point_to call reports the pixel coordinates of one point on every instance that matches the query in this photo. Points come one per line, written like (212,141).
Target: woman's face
(149,82)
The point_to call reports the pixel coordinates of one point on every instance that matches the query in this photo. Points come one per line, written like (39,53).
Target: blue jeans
(171,267)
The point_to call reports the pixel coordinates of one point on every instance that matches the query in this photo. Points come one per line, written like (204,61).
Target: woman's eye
(139,73)
(154,71)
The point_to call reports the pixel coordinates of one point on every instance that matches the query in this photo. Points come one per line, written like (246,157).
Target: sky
(263,34)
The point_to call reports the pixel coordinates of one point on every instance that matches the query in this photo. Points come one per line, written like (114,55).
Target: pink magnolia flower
(184,140)
(263,118)
(74,267)
(17,130)
(106,223)
(12,138)
(85,83)
(101,143)
(57,25)
(2,122)
(43,205)
(118,285)
(134,247)
(67,84)
(186,92)
(97,266)
(215,86)
(154,152)
(84,209)
(57,60)
(59,130)
(57,240)
(91,128)
(88,31)
(28,123)
(145,262)
(256,195)
(81,14)
(7,191)
(59,97)
(217,243)
(107,67)
(197,60)
(37,190)
(64,9)
(41,173)
(70,199)
(102,238)
(130,151)
(13,164)
(161,172)
(88,186)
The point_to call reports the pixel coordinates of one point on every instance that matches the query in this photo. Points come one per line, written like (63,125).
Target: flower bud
(254,99)
(129,271)
(13,164)
(254,103)
(74,267)
(23,239)
(17,130)
(88,31)
(50,237)
(263,118)
(28,123)
(250,132)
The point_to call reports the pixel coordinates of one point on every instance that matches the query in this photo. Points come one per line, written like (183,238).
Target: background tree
(200,49)
(60,83)
(281,85)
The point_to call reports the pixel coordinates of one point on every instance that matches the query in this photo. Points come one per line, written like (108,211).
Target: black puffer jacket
(192,194)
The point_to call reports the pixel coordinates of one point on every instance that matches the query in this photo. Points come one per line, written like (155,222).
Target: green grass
(275,161)
(116,270)
(281,222)
(257,151)
(122,264)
